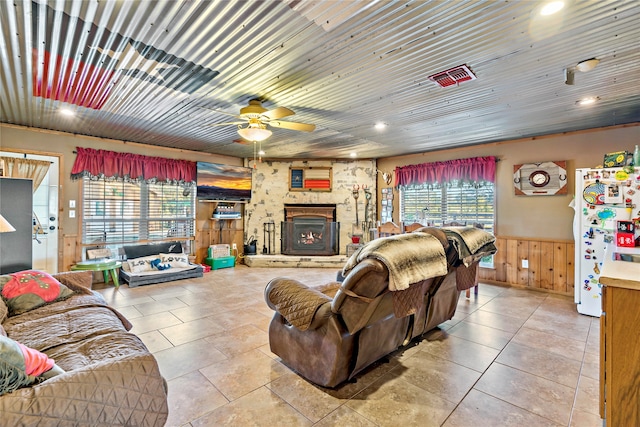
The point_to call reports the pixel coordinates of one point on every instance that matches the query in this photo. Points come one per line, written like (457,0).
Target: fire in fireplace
(310,230)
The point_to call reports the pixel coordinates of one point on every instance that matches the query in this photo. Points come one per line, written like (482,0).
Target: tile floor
(509,357)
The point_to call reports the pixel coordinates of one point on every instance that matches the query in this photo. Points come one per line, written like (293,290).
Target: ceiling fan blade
(292,125)
(225,124)
(278,113)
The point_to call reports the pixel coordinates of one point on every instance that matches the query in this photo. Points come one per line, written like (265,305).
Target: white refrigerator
(603,197)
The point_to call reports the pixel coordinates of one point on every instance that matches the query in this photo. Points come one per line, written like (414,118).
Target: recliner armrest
(303,307)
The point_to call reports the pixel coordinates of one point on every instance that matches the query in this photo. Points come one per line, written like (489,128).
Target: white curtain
(35,170)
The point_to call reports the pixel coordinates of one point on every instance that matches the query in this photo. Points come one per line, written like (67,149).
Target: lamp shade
(254,133)
(5,227)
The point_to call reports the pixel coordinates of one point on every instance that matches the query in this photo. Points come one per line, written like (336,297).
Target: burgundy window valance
(471,170)
(132,167)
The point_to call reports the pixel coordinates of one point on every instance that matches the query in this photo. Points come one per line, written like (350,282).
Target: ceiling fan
(257,118)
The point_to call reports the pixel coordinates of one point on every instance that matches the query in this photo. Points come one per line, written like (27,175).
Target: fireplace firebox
(310,230)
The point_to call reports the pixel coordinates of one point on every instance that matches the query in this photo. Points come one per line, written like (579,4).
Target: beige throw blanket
(471,243)
(410,258)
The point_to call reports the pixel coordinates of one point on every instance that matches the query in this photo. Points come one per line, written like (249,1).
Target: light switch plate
(72,203)
(525,263)
(72,214)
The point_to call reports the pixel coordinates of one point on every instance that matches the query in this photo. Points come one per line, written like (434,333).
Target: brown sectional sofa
(110,377)
(331,333)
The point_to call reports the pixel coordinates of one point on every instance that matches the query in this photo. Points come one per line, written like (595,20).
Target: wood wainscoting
(551,264)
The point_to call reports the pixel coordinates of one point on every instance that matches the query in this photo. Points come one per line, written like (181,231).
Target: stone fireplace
(310,229)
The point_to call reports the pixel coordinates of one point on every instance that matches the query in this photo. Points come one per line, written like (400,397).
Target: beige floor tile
(542,363)
(482,410)
(562,324)
(260,408)
(240,317)
(515,306)
(177,361)
(588,396)
(344,416)
(563,346)
(311,401)
(245,372)
(485,335)
(585,419)
(239,340)
(466,353)
(446,379)
(364,379)
(192,396)
(130,312)
(535,394)
(191,331)
(593,340)
(495,320)
(591,365)
(155,341)
(153,322)
(196,310)
(159,306)
(118,299)
(392,401)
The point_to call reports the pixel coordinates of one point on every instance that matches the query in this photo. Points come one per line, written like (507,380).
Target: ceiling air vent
(456,75)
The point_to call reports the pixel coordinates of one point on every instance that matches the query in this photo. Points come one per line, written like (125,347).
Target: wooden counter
(620,339)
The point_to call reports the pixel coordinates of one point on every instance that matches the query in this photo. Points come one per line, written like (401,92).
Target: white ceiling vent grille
(456,75)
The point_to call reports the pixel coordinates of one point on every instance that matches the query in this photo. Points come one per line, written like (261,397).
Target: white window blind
(436,205)
(116,212)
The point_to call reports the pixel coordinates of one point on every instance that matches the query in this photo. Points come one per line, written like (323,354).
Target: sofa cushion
(21,366)
(137,251)
(176,260)
(26,290)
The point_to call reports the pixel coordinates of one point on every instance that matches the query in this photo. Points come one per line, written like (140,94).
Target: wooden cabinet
(216,224)
(620,343)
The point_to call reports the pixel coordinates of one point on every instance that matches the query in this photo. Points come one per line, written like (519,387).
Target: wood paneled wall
(551,264)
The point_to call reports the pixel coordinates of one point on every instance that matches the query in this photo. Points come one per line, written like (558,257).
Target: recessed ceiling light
(353,155)
(588,101)
(587,65)
(67,112)
(380,125)
(261,153)
(551,8)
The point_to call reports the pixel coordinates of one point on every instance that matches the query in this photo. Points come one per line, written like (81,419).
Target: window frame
(439,202)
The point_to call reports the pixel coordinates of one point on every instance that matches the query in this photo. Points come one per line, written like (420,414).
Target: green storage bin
(222,262)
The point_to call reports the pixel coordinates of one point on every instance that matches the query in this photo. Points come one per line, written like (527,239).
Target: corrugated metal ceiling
(162,72)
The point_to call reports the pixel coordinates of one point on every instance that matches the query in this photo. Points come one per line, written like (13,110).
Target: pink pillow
(35,362)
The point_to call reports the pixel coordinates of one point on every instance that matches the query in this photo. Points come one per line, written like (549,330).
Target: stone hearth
(317,261)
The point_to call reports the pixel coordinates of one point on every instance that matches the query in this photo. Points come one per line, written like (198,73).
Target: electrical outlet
(234,247)
(525,263)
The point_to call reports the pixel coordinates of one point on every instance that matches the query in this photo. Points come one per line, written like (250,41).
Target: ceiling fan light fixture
(252,133)
(588,101)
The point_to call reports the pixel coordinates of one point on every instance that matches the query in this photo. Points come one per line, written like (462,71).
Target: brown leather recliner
(331,333)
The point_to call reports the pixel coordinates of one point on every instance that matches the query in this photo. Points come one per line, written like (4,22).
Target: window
(464,203)
(117,212)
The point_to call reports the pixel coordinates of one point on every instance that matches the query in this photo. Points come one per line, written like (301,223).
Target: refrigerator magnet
(613,194)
